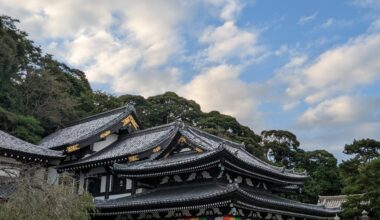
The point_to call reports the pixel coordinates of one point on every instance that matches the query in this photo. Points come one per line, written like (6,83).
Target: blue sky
(310,67)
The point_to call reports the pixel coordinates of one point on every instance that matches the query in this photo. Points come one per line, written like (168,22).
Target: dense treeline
(39,94)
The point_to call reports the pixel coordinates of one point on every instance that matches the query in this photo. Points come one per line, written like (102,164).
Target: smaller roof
(12,145)
(86,128)
(129,144)
(332,201)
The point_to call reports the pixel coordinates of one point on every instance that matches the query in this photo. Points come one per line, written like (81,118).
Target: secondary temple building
(173,171)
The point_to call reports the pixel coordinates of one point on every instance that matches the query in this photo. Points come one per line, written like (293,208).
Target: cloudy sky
(311,67)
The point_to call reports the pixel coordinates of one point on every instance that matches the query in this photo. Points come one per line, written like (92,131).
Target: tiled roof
(130,144)
(332,201)
(85,128)
(175,160)
(148,139)
(182,194)
(238,150)
(12,145)
(212,146)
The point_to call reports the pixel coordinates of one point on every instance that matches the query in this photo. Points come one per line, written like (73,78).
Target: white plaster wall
(102,144)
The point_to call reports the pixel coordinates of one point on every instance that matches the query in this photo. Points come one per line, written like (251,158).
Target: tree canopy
(361,178)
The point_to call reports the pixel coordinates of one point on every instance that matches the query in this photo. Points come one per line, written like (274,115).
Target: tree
(25,127)
(363,150)
(324,178)
(34,199)
(47,99)
(281,146)
(34,86)
(367,182)
(361,178)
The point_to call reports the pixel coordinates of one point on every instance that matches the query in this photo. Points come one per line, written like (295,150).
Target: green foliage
(102,102)
(363,150)
(282,146)
(33,84)
(24,127)
(361,178)
(35,199)
(324,174)
(367,182)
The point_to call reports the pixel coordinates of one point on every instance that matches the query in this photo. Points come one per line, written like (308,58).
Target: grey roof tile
(130,144)
(213,142)
(16,145)
(175,160)
(196,191)
(84,128)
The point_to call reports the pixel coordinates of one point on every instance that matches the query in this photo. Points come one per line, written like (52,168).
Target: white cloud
(228,41)
(231,9)
(228,10)
(367,3)
(58,19)
(219,88)
(375,26)
(341,110)
(154,27)
(148,83)
(338,70)
(328,23)
(306,19)
(85,49)
(128,45)
(296,60)
(332,22)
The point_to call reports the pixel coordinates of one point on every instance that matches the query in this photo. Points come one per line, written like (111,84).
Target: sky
(310,67)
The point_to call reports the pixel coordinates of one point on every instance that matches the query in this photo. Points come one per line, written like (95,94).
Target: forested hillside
(38,95)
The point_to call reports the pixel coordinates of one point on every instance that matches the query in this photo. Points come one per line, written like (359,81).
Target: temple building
(173,171)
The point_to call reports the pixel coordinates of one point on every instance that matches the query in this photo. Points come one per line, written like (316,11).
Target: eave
(214,195)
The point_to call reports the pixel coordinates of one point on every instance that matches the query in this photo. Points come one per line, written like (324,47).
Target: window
(103,183)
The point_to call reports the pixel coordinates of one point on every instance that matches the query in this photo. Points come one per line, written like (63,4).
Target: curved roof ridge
(99,115)
(242,148)
(280,200)
(86,129)
(151,129)
(170,161)
(215,136)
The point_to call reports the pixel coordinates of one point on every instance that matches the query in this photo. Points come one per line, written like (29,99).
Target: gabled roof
(130,144)
(86,128)
(231,155)
(211,194)
(238,151)
(141,144)
(15,147)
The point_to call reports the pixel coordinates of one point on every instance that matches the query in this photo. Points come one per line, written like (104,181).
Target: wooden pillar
(86,184)
(108,178)
(134,186)
(81,183)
